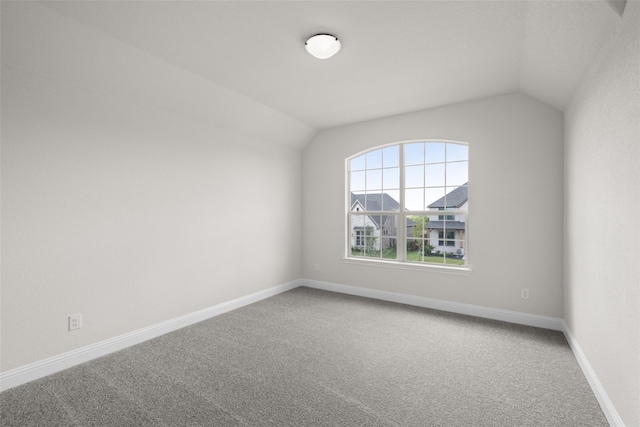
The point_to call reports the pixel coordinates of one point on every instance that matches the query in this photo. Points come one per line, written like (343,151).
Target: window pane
(434,197)
(364,235)
(391,157)
(357,222)
(357,181)
(372,238)
(391,178)
(389,226)
(414,176)
(390,200)
(457,152)
(414,199)
(373,202)
(414,154)
(457,173)
(357,201)
(415,250)
(434,152)
(357,163)
(357,235)
(374,159)
(417,226)
(389,249)
(451,240)
(456,196)
(374,179)
(434,175)
(373,222)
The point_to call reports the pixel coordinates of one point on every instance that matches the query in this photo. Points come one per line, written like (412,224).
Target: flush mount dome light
(322,46)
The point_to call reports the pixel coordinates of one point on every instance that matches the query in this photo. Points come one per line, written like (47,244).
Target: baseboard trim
(553,323)
(545,322)
(596,386)
(40,369)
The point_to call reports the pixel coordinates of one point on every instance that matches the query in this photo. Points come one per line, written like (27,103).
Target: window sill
(460,271)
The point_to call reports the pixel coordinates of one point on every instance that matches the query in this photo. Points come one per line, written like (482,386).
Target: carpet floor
(314,358)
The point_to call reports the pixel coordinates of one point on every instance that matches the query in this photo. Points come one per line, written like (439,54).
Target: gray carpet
(315,358)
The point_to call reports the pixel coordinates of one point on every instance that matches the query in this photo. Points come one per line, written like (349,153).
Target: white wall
(602,196)
(516,158)
(116,207)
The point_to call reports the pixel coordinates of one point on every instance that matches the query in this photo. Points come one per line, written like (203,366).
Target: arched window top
(395,195)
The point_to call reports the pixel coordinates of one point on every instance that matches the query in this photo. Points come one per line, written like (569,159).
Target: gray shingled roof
(451,225)
(454,199)
(376,202)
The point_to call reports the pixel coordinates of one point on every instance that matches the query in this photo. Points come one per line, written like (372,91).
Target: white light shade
(323,46)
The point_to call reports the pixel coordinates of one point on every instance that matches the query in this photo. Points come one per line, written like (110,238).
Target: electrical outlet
(75,321)
(524,293)
(317,267)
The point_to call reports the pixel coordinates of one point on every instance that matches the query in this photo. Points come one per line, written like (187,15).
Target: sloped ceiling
(397,56)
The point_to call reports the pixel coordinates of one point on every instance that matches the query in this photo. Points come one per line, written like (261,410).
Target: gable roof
(454,199)
(375,202)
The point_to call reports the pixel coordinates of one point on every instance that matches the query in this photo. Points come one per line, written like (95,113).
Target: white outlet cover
(75,321)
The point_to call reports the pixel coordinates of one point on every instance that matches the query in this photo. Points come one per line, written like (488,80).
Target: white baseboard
(553,323)
(546,322)
(33,371)
(596,386)
(40,369)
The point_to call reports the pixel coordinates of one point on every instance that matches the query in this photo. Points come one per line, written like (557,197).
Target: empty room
(320,213)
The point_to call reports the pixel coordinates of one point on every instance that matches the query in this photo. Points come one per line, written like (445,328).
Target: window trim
(402,239)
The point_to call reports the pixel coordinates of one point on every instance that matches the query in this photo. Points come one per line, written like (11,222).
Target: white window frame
(402,214)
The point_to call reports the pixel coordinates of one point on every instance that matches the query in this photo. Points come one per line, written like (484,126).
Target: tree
(419,232)
(422,222)
(369,239)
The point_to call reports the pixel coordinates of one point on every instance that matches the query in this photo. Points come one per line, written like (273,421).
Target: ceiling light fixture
(322,46)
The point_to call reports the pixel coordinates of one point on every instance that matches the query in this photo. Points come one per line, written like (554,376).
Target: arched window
(409,202)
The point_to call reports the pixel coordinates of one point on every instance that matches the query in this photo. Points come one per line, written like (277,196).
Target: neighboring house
(372,229)
(446,232)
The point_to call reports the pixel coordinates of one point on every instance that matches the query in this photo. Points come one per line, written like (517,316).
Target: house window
(449,241)
(395,199)
(447,217)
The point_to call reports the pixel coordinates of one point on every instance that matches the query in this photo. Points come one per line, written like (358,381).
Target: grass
(414,256)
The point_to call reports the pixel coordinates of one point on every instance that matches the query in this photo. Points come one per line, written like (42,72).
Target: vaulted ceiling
(396,56)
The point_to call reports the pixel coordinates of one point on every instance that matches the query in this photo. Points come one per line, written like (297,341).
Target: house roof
(454,199)
(375,202)
(451,225)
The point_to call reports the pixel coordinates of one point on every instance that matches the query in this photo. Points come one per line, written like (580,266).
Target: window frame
(403,215)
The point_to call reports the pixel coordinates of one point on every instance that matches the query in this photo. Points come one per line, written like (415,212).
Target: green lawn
(411,256)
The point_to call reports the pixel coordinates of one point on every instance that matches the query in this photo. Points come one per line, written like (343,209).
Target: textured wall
(515,199)
(602,155)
